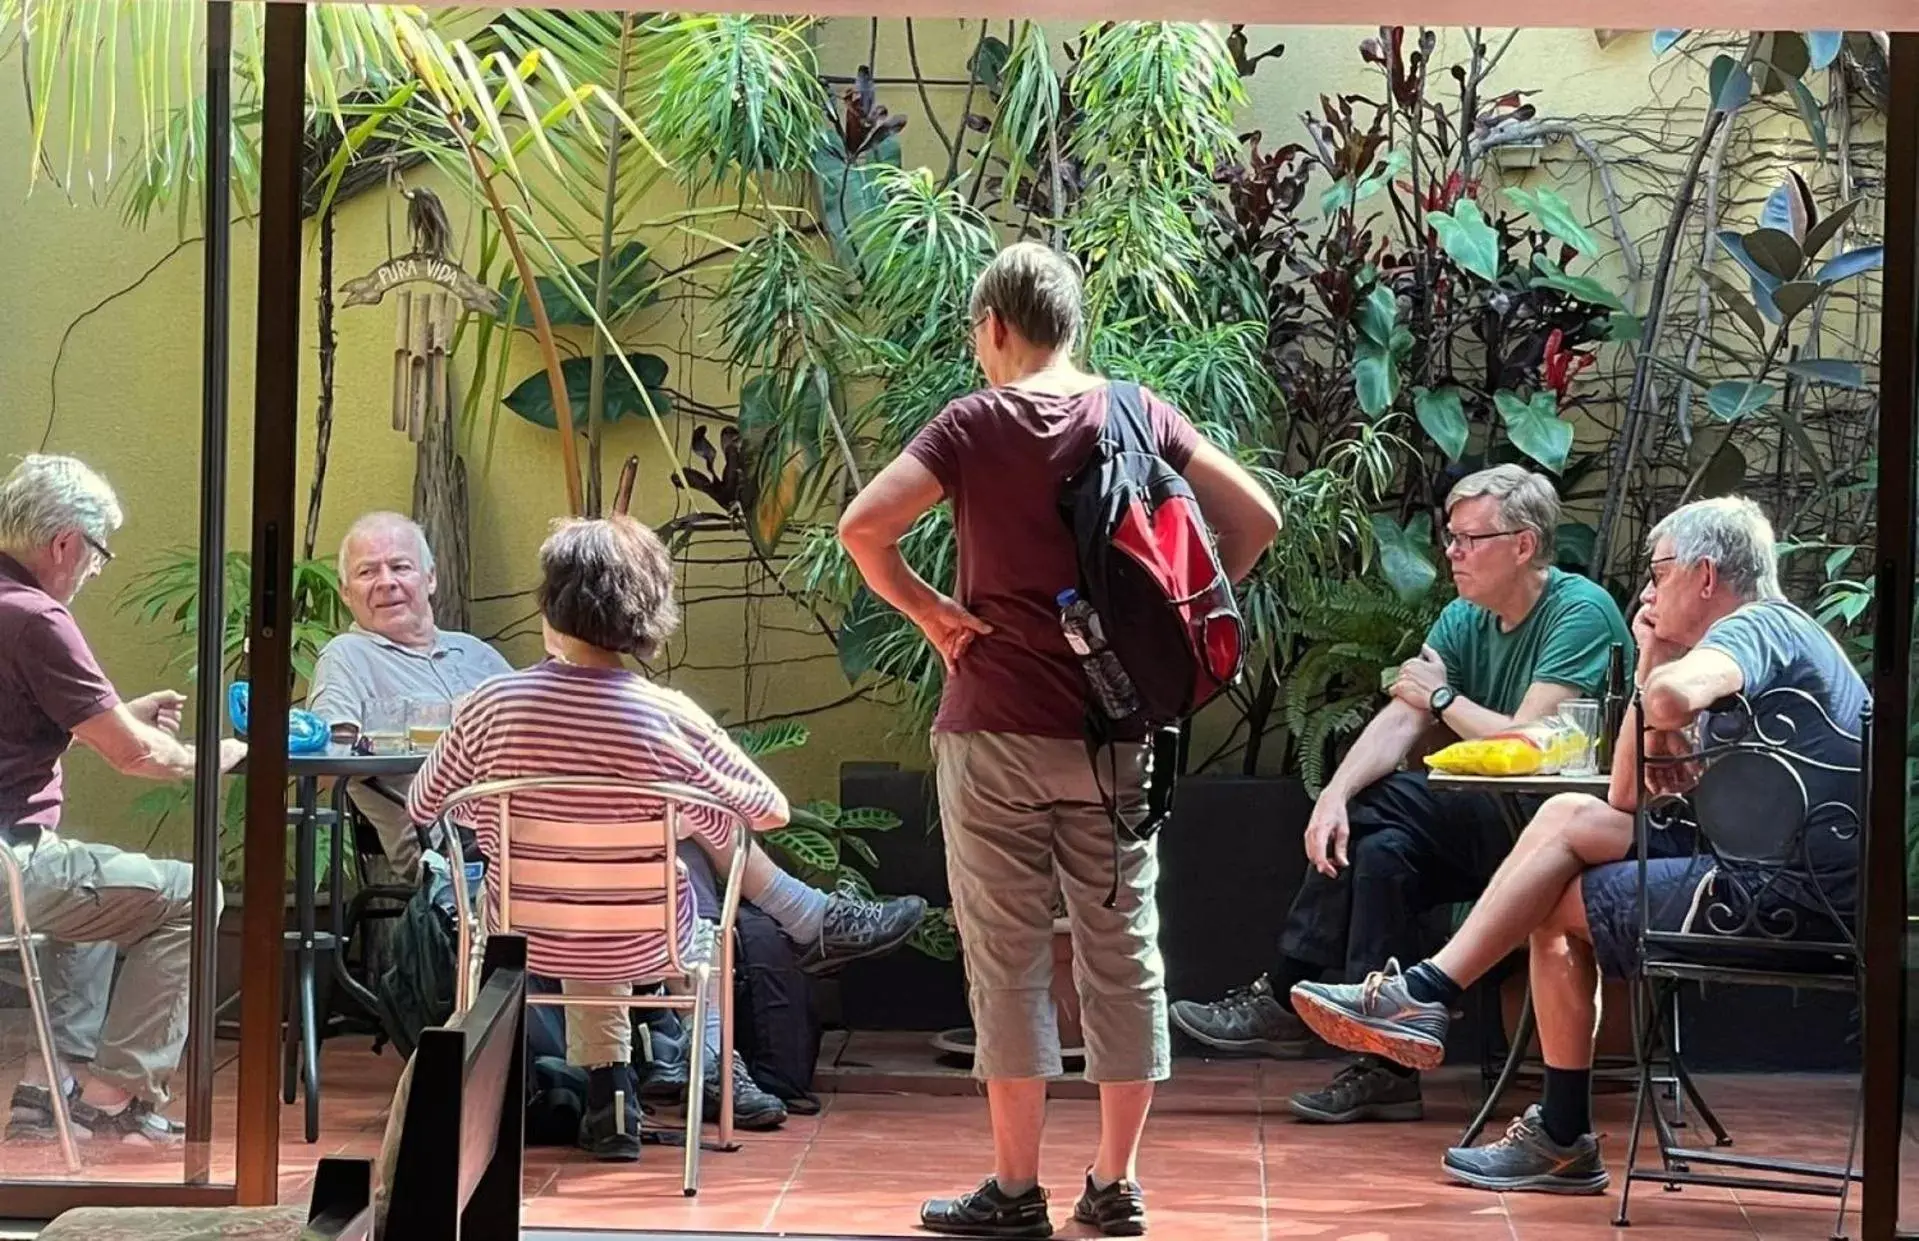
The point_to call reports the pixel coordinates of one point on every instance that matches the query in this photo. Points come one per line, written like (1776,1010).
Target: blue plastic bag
(307,733)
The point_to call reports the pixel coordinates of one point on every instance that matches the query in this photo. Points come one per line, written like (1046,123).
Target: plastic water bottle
(1111,686)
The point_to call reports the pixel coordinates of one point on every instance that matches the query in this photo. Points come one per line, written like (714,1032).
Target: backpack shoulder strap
(1127,425)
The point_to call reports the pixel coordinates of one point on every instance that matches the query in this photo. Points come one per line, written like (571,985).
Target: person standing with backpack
(1041,786)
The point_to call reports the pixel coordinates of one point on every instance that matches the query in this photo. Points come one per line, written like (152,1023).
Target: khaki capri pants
(1024,819)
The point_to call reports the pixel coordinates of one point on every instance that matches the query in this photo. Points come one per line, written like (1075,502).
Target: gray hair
(46,496)
(1526,501)
(1035,291)
(1734,534)
(382,521)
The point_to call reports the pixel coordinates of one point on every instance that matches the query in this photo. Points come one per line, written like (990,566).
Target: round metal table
(301,1044)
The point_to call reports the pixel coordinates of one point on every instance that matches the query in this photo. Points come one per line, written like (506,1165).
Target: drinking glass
(426,719)
(385,725)
(1583,715)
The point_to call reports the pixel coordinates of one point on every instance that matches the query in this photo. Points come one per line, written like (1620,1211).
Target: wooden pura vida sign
(419,268)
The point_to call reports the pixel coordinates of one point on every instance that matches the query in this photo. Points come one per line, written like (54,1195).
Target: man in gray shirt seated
(1712,624)
(395,652)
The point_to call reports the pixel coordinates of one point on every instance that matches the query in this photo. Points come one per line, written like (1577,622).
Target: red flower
(1562,365)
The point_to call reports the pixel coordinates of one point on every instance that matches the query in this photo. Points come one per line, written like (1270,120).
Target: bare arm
(1472,721)
(1678,691)
(878,518)
(1242,515)
(133,747)
(1378,752)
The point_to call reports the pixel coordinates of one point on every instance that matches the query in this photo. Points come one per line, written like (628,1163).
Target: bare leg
(755,879)
(1123,1107)
(1569,834)
(1565,979)
(1018,1108)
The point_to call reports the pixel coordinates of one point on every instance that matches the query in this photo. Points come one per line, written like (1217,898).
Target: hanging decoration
(429,289)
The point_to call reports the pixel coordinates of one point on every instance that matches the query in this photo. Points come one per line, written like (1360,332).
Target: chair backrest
(1780,799)
(604,877)
(457,1175)
(1762,756)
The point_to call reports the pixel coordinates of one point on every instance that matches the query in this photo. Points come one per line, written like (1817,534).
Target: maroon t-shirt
(1002,456)
(49,684)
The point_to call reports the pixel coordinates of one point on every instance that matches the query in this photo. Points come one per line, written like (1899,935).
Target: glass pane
(102,314)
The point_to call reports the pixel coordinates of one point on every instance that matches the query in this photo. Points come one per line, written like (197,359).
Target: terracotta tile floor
(1223,1160)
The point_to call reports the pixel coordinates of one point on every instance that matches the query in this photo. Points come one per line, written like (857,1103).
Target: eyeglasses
(100,549)
(1457,538)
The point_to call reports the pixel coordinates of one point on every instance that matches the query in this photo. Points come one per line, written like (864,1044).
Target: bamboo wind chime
(430,292)
(422,339)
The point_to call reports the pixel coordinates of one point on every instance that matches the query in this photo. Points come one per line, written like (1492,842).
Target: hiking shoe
(988,1212)
(855,928)
(610,1126)
(136,1123)
(1528,1160)
(1249,1021)
(31,1118)
(1377,1016)
(1119,1210)
(754,1109)
(1366,1089)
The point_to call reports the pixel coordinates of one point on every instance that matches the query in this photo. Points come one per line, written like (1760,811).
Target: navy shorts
(1674,875)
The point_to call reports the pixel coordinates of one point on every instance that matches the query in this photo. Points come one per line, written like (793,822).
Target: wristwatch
(1443,697)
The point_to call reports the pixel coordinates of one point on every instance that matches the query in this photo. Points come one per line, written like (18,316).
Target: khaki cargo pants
(94,902)
(1025,821)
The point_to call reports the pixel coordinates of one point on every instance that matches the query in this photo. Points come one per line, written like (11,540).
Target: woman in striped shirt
(606,592)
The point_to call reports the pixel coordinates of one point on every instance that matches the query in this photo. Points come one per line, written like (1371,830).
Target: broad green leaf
(1341,193)
(1819,234)
(1724,475)
(1810,113)
(1823,47)
(1735,398)
(1623,326)
(1664,40)
(1802,210)
(1405,555)
(1575,540)
(1680,369)
(774,738)
(533,398)
(1795,297)
(869,819)
(1851,263)
(1548,274)
(1535,427)
(1377,315)
(1730,85)
(1467,239)
(1775,251)
(866,622)
(808,846)
(632,284)
(860,847)
(1556,214)
(1829,371)
(1735,245)
(1735,301)
(1440,413)
(1839,559)
(824,811)
(1796,432)
(1781,59)
(1375,377)
(988,62)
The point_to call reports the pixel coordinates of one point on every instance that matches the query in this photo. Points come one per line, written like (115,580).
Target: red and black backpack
(1150,568)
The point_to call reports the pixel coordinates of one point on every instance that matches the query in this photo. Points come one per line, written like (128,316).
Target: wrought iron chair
(1762,914)
(23,940)
(625,897)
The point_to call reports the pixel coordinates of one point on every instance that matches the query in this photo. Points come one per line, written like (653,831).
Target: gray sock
(798,907)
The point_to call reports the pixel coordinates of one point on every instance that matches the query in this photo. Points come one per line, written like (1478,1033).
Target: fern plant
(825,844)
(1353,632)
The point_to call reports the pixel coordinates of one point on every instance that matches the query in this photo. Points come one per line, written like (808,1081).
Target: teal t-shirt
(1565,640)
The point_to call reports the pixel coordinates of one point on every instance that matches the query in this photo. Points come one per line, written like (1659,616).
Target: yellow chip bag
(1538,748)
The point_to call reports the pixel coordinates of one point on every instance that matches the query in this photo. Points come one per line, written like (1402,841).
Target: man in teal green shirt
(1522,639)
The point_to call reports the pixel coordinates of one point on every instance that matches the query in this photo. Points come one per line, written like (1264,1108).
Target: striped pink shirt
(559,719)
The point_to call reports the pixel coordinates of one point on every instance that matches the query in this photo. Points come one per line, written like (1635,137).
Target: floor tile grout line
(1259,1128)
(793,1176)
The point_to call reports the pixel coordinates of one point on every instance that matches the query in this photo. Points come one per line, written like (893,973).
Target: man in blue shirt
(1712,624)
